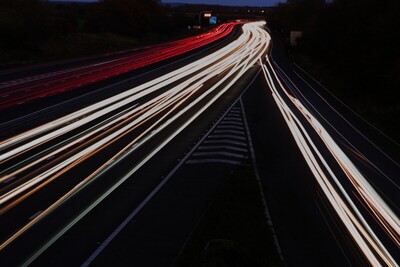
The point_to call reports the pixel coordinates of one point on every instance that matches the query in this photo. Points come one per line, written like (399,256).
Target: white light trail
(361,232)
(117,116)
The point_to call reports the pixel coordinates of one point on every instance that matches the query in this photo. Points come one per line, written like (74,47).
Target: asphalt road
(23,117)
(164,113)
(18,90)
(291,192)
(358,165)
(160,118)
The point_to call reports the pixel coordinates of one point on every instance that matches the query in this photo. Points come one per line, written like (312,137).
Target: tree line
(34,31)
(26,21)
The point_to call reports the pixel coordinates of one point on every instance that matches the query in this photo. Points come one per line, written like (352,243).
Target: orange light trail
(131,113)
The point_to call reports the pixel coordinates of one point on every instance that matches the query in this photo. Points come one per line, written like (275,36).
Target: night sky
(229,2)
(215,2)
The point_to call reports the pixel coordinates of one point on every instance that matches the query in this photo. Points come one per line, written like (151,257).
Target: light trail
(134,94)
(31,88)
(356,224)
(136,113)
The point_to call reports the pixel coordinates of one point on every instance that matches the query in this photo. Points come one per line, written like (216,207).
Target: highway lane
(357,180)
(175,209)
(123,124)
(24,117)
(289,186)
(355,186)
(26,89)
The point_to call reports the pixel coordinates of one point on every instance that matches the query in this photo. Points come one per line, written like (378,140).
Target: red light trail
(24,90)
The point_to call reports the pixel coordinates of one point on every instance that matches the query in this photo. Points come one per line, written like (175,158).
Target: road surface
(57,173)
(357,177)
(81,176)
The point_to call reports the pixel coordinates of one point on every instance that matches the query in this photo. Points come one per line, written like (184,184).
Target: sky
(213,2)
(73,1)
(229,2)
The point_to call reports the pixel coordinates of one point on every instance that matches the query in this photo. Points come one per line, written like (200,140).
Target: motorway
(73,171)
(357,180)
(56,173)
(24,89)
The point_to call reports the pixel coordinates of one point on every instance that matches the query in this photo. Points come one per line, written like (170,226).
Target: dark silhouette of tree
(23,21)
(129,17)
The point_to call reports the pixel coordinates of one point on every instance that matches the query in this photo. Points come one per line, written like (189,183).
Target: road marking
(226,141)
(230,127)
(263,199)
(9,180)
(232,123)
(219,153)
(232,119)
(35,215)
(196,161)
(234,115)
(164,181)
(216,136)
(223,147)
(230,131)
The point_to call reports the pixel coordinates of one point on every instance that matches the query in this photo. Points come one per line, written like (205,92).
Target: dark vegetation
(40,30)
(352,47)
(225,13)
(37,30)
(234,230)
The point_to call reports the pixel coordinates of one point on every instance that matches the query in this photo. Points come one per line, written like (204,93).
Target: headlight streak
(380,213)
(29,184)
(362,234)
(104,111)
(234,60)
(96,110)
(85,120)
(69,142)
(359,182)
(89,151)
(355,150)
(161,81)
(70,79)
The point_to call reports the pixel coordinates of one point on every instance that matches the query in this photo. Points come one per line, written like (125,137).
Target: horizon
(253,3)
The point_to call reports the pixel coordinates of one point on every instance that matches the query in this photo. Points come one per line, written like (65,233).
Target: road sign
(213,20)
